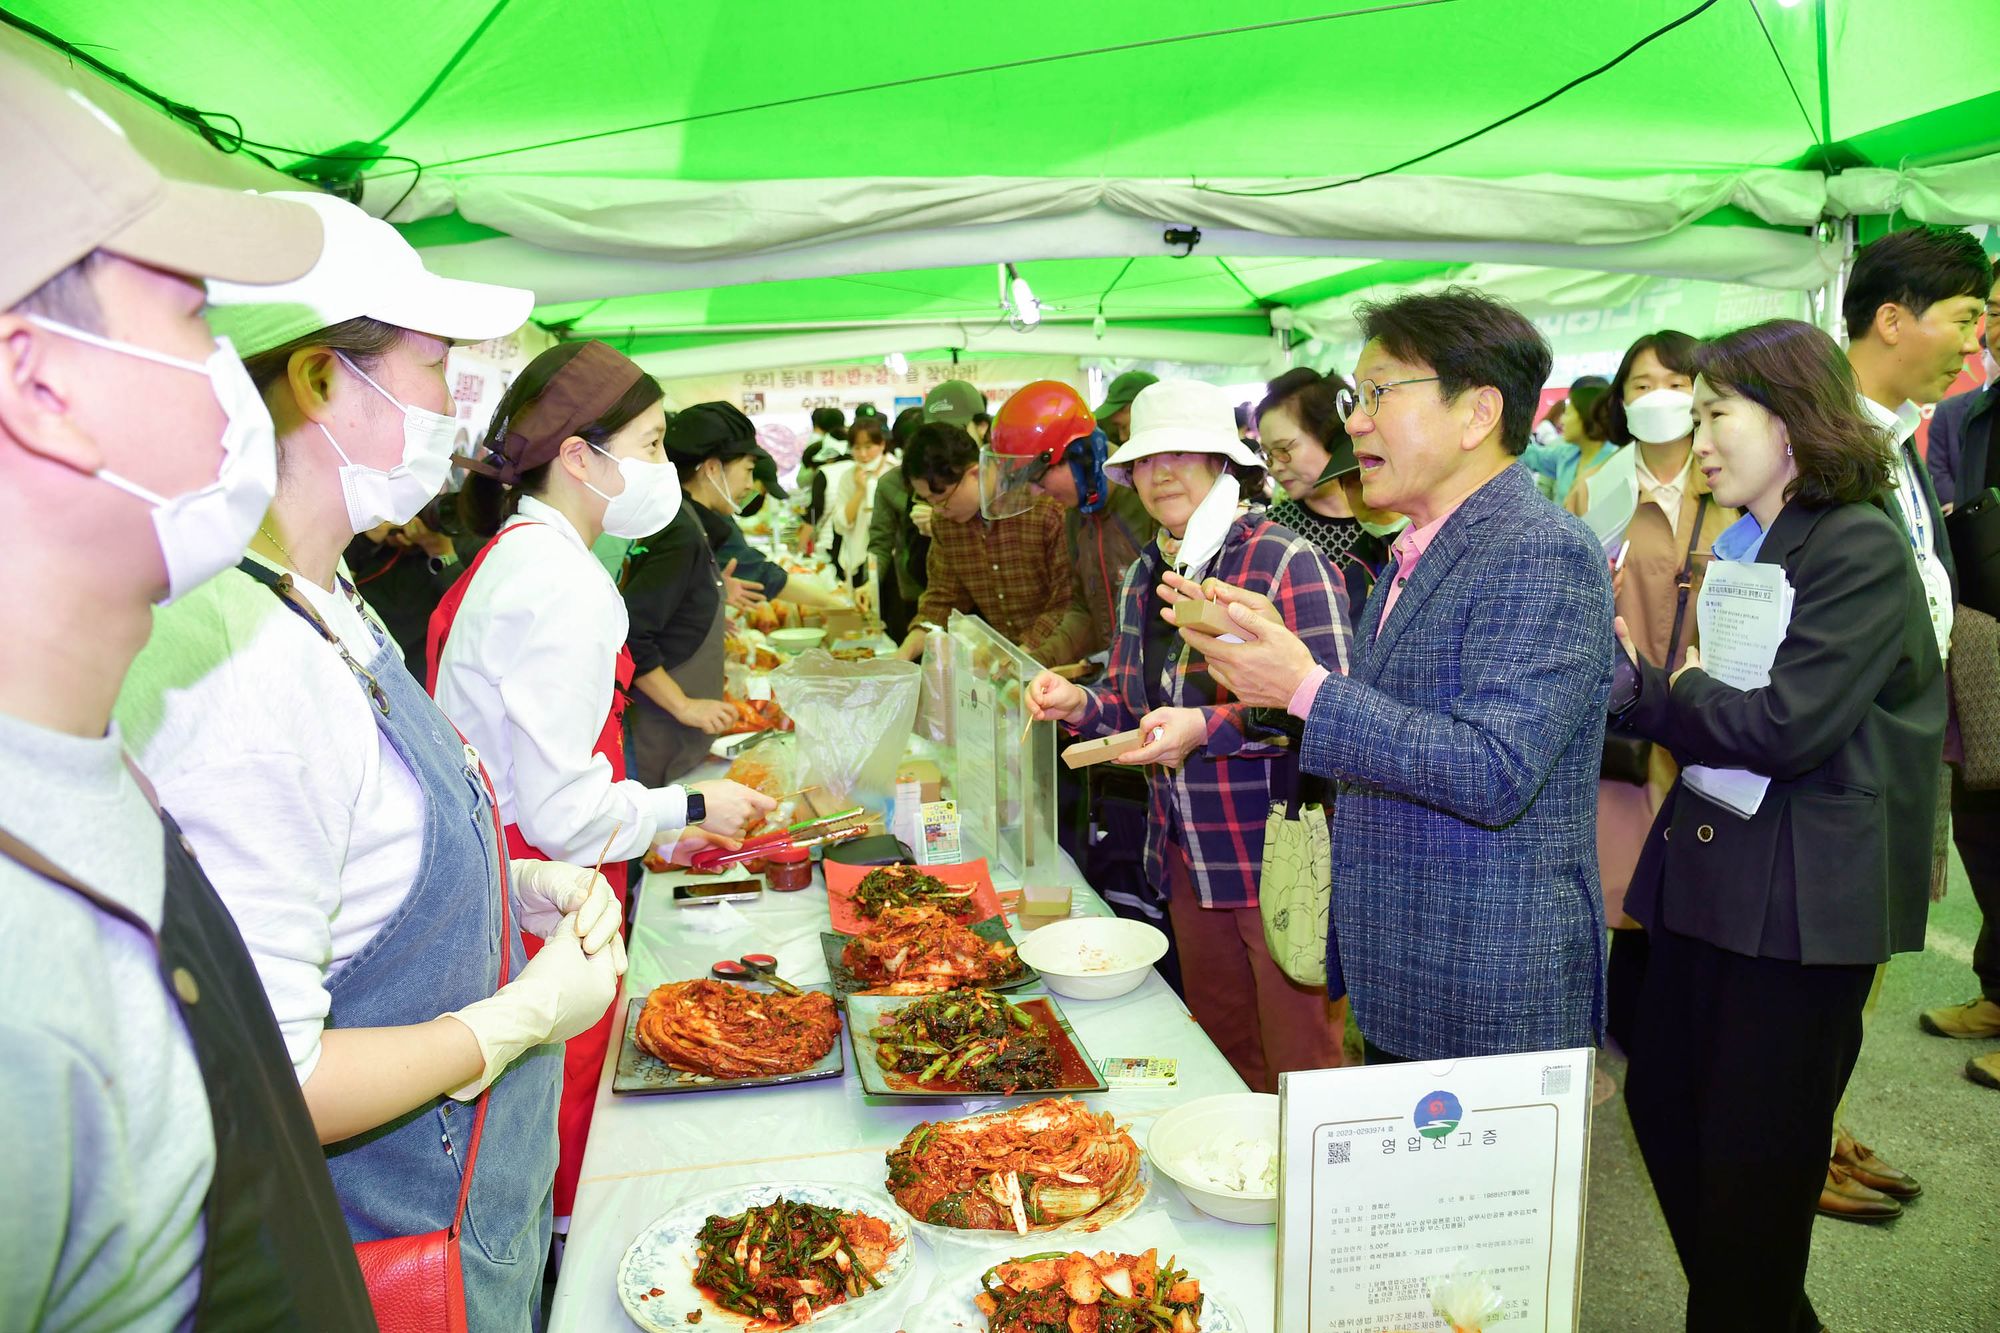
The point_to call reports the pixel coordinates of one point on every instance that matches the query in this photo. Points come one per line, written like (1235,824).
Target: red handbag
(417,1283)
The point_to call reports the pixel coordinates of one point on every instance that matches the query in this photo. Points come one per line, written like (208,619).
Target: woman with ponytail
(528,653)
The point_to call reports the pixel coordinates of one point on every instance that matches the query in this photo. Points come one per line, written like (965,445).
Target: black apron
(276,1253)
(663,748)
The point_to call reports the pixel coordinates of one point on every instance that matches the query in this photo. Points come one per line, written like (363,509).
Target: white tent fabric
(1959,193)
(807,228)
(1261,356)
(1760,255)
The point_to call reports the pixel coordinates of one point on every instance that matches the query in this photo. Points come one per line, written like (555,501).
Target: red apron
(583,1056)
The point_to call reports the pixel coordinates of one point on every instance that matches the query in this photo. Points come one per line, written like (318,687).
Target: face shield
(1007,481)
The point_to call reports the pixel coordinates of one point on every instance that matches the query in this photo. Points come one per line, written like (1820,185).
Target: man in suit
(1912,312)
(1467,740)
(1966,420)
(1963,461)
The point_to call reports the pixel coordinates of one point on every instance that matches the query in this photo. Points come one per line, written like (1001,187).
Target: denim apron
(438,952)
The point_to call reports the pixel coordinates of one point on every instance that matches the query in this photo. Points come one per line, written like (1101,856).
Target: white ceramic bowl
(1093,957)
(791,642)
(1232,1115)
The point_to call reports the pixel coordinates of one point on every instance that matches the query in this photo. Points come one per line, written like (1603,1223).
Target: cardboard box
(1102,750)
(927,775)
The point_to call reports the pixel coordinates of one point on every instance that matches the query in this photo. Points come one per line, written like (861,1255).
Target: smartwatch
(697,807)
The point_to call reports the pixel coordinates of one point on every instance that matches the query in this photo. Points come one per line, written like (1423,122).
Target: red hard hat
(1040,421)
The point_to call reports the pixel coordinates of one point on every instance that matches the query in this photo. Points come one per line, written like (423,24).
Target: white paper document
(1393,1177)
(1614,497)
(1744,612)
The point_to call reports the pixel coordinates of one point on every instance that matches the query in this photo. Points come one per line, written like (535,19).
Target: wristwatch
(697,807)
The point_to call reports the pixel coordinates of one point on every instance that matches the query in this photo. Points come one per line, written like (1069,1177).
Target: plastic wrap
(851,722)
(934,706)
(1467,1299)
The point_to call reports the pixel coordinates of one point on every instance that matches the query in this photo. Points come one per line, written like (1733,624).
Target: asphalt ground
(1935,1269)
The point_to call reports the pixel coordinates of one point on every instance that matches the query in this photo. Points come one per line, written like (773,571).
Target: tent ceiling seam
(430,90)
(1025,62)
(1536,105)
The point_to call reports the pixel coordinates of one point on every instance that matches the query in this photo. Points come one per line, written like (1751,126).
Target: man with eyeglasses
(1014,572)
(1466,738)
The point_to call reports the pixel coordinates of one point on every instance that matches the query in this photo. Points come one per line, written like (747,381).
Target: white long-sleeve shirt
(853,536)
(263,745)
(528,673)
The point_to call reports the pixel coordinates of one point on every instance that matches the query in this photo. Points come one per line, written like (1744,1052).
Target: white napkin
(1207,526)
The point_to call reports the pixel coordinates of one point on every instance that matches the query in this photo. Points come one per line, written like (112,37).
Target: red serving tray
(841,881)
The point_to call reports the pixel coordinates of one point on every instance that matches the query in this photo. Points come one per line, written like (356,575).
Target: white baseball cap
(366,268)
(1180,417)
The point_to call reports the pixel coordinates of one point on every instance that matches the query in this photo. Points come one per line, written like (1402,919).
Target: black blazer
(1835,865)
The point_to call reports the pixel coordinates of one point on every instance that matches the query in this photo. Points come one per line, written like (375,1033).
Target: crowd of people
(317,912)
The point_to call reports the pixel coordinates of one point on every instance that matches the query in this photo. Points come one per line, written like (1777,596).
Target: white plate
(1077,1234)
(663,1257)
(950,1308)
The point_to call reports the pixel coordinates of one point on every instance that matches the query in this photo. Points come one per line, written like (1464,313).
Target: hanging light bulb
(1097,327)
(897,363)
(1026,309)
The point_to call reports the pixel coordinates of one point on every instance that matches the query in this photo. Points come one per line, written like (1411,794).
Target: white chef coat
(263,744)
(527,674)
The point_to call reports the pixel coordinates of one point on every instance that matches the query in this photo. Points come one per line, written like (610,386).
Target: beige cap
(75,185)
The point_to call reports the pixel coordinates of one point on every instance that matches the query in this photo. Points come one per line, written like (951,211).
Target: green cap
(1123,390)
(954,402)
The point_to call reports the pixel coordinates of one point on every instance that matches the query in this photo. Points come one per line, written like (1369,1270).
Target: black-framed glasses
(1367,395)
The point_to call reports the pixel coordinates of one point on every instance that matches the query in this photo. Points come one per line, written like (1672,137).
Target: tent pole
(1828,298)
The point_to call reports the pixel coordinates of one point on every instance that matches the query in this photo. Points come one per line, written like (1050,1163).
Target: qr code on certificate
(1555,1080)
(1338,1152)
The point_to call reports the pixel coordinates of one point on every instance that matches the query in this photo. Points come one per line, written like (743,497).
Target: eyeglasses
(1370,396)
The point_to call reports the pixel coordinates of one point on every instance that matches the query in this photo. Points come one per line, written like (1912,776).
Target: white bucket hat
(366,268)
(1180,417)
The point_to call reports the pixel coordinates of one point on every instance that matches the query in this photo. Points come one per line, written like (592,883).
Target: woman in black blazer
(1766,929)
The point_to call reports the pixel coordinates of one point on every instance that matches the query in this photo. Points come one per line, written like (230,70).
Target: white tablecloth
(649,1154)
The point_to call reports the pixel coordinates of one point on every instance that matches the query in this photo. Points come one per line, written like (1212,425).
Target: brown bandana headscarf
(589,384)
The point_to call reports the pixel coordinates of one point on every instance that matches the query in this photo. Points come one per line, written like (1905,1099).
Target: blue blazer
(1466,743)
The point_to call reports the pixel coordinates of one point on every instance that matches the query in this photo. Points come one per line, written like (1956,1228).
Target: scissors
(753,967)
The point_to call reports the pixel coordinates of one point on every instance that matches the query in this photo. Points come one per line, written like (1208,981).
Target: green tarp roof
(701,172)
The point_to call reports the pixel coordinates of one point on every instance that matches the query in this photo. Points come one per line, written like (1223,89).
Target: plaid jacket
(1467,742)
(1214,805)
(1011,572)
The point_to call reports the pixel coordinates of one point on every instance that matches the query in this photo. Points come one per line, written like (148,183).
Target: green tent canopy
(729,184)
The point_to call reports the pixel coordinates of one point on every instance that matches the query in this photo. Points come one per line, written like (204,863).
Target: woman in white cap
(528,650)
(349,829)
(1215,771)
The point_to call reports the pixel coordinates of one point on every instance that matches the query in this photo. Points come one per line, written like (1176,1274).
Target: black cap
(1340,460)
(710,430)
(766,472)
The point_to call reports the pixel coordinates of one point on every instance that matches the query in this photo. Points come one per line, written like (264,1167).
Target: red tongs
(784,840)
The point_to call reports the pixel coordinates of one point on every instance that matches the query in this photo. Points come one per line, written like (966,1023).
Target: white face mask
(398,495)
(651,498)
(206,530)
(721,484)
(1662,416)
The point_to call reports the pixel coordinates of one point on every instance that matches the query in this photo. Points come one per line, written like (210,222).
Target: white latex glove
(559,994)
(547,891)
